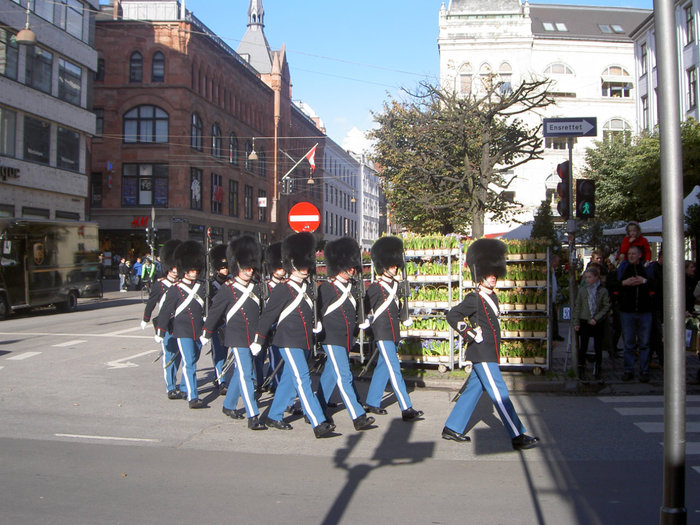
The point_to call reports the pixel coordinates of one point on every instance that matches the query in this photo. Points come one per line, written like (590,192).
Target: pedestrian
(382,300)
(136,278)
(182,312)
(590,310)
(291,307)
(337,307)
(477,320)
(219,266)
(148,272)
(554,297)
(237,306)
(123,275)
(171,353)
(634,237)
(636,291)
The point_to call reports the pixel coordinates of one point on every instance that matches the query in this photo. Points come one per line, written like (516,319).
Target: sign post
(304,217)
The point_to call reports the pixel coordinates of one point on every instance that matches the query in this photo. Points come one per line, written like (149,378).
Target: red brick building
(178,114)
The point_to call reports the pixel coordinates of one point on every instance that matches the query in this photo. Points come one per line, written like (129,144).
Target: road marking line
(58,334)
(25,355)
(697,469)
(108,438)
(651,427)
(70,343)
(119,363)
(133,329)
(653,411)
(643,399)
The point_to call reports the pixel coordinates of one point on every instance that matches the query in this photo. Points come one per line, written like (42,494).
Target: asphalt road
(87,435)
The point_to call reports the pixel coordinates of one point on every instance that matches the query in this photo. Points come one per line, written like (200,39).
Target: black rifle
(461,390)
(404,292)
(207,248)
(312,293)
(370,360)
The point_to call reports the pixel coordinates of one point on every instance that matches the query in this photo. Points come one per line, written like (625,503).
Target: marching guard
(171,354)
(220,268)
(291,307)
(383,301)
(338,310)
(238,305)
(476,319)
(182,311)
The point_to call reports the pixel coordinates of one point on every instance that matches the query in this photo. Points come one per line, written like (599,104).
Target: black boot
(363,422)
(324,430)
(254,423)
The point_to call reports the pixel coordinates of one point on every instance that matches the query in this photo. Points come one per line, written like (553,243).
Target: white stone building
(687,15)
(339,176)
(45,108)
(370,212)
(585,51)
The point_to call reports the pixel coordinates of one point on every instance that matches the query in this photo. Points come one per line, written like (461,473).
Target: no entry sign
(304,217)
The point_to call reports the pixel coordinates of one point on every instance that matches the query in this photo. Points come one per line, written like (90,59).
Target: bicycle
(145,290)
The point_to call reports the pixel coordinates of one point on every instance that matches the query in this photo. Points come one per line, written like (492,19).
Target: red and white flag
(311,157)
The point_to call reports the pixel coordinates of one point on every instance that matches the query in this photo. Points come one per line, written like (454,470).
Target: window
(233,150)
(689,24)
(554,26)
(548,26)
(37,140)
(30,212)
(645,112)
(262,210)
(216,141)
(68,149)
(69,16)
(605,28)
(558,69)
(99,121)
(145,124)
(505,72)
(70,78)
(217,193)
(248,202)
(158,67)
(8,126)
(145,185)
(262,163)
(195,189)
(38,70)
(136,67)
(9,51)
(233,198)
(465,79)
(692,88)
(561,26)
(67,215)
(196,130)
(96,189)
(643,56)
(248,162)
(44,8)
(617,129)
(100,73)
(615,82)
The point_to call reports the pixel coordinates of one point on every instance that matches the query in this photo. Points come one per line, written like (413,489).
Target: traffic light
(585,199)
(286,186)
(563,190)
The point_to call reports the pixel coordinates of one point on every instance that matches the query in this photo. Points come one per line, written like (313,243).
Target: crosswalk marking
(644,399)
(653,411)
(25,355)
(70,343)
(118,332)
(651,427)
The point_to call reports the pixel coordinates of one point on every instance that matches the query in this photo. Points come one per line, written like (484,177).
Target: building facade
(45,103)
(586,53)
(341,176)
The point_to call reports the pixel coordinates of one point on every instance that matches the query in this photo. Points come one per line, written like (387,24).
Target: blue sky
(346,57)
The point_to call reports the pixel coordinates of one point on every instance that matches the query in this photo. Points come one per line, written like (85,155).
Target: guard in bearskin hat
(171,354)
(476,319)
(182,311)
(237,305)
(382,300)
(337,308)
(218,264)
(291,308)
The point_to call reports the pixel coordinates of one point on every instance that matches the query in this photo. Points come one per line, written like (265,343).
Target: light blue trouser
(259,366)
(171,354)
(336,372)
(485,377)
(275,358)
(296,378)
(218,356)
(388,369)
(189,350)
(242,382)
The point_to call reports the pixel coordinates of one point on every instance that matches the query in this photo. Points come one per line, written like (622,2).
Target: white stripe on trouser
(499,400)
(300,390)
(392,376)
(244,388)
(184,371)
(165,363)
(339,382)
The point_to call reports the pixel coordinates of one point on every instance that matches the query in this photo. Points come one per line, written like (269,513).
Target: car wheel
(70,304)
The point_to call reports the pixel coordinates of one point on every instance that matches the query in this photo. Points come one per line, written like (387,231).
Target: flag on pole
(311,157)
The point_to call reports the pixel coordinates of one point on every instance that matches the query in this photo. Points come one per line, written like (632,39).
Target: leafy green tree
(543,226)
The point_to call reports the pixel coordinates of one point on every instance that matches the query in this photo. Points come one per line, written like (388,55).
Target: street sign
(304,217)
(570,127)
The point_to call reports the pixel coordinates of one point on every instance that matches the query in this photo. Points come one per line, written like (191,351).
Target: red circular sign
(304,217)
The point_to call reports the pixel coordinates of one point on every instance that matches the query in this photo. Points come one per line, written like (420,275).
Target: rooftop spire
(256,14)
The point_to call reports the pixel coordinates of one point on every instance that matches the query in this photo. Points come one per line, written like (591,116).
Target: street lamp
(253,155)
(26,36)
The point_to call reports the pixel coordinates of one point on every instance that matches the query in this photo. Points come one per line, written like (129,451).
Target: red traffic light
(563,170)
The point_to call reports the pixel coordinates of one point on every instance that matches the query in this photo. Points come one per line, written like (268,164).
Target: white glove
(255,348)
(478,337)
(408,322)
(364,325)
(318,328)
(203,340)
(158,339)
(144,324)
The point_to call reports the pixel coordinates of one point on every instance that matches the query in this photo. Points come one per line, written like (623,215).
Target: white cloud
(356,141)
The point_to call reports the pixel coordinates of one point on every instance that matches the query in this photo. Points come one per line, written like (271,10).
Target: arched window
(616,82)
(485,76)
(158,67)
(146,124)
(196,132)
(216,141)
(136,67)
(617,129)
(558,68)
(464,79)
(233,149)
(505,75)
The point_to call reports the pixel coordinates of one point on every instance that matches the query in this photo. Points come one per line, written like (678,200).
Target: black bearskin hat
(486,257)
(189,256)
(386,252)
(243,252)
(299,251)
(342,254)
(273,257)
(167,255)
(217,258)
